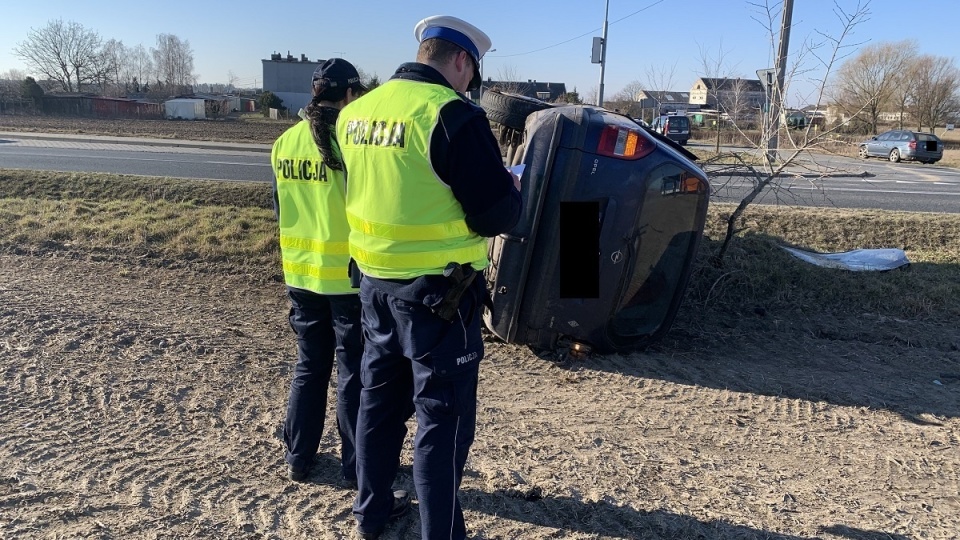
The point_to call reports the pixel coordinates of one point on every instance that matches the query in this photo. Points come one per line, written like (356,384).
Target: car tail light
(620,142)
(913,145)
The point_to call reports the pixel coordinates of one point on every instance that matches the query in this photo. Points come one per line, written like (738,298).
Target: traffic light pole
(603,54)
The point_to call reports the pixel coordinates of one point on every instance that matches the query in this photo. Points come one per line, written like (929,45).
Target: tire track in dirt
(152,400)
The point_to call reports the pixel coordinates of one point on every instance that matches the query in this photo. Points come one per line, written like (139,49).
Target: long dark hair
(323,121)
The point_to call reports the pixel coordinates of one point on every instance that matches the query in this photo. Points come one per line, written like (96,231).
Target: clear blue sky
(545,41)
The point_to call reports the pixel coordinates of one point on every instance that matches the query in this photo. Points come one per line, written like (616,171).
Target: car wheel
(510,110)
(863,152)
(895,156)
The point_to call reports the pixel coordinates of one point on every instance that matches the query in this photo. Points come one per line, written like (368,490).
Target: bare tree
(13,75)
(903,89)
(61,51)
(173,60)
(510,81)
(934,92)
(659,81)
(828,50)
(736,103)
(867,81)
(107,66)
(11,82)
(590,96)
(141,66)
(626,100)
(715,76)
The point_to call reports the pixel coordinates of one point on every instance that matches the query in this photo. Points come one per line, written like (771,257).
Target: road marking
(905,192)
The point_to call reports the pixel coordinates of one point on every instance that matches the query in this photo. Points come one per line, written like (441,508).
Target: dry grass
(234,222)
(757,273)
(169,218)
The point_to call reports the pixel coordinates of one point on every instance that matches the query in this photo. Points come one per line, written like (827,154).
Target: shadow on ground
(778,326)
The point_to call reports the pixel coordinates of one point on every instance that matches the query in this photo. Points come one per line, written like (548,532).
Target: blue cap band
(454,36)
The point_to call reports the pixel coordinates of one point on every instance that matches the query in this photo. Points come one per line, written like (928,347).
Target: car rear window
(923,137)
(680,121)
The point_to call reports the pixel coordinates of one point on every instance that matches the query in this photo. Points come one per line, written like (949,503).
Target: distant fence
(17,106)
(99,107)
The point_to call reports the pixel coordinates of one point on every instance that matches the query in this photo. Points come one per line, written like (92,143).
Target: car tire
(863,152)
(895,156)
(510,110)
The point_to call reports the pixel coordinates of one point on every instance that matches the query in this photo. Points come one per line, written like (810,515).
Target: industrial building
(290,79)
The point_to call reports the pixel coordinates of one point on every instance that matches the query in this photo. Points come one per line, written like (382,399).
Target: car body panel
(650,214)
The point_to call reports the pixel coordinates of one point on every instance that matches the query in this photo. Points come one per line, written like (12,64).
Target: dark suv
(613,214)
(673,126)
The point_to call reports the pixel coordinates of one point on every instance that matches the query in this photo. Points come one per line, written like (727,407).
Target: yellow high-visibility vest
(404,221)
(314,234)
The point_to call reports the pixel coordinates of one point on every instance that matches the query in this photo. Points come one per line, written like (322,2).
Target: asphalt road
(215,161)
(823,181)
(834,181)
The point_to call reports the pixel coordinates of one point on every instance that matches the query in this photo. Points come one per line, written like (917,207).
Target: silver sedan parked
(897,145)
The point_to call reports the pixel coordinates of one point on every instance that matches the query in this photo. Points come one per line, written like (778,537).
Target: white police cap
(463,34)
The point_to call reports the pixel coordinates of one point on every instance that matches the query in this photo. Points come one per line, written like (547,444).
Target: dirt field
(143,397)
(144,400)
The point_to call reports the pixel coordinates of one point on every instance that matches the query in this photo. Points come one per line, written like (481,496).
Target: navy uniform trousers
(411,354)
(327,327)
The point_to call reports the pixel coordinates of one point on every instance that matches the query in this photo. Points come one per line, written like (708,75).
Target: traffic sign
(768,77)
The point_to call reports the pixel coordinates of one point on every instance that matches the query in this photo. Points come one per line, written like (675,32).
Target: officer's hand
(516,181)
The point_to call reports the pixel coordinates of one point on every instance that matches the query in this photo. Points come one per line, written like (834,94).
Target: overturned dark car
(612,219)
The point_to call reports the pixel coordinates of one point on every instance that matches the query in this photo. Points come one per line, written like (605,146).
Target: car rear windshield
(926,137)
(679,121)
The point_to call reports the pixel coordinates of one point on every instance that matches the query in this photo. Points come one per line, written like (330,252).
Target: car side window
(906,136)
(887,136)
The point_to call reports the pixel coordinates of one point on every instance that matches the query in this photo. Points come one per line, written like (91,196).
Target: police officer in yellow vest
(426,185)
(309,196)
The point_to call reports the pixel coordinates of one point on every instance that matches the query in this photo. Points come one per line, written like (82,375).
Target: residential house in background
(544,91)
(290,78)
(740,94)
(665,101)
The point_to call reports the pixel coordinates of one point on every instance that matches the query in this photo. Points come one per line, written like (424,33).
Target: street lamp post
(481,71)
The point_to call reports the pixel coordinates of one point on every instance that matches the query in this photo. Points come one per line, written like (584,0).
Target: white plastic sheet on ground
(857,260)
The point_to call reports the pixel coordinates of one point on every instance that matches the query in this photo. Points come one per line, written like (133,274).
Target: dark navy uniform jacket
(460,152)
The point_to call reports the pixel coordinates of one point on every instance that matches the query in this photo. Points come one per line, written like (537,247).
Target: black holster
(353,272)
(460,278)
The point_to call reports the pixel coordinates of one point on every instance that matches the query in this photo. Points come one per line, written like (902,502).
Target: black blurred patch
(580,249)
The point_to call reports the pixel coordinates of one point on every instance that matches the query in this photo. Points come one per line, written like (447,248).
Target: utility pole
(777,99)
(603,54)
